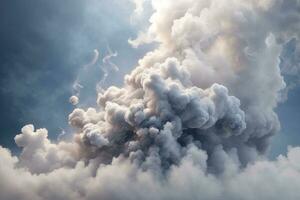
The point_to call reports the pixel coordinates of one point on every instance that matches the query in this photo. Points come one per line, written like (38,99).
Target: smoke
(78,85)
(107,67)
(94,60)
(74,100)
(107,59)
(192,121)
(139,6)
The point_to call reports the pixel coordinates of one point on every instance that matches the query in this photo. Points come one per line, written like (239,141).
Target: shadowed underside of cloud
(192,121)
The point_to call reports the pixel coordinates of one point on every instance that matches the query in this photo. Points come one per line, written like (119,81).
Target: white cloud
(123,180)
(192,121)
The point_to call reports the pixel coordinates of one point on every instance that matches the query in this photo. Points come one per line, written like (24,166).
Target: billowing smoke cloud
(192,121)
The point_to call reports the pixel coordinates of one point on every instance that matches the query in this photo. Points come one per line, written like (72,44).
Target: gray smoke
(192,121)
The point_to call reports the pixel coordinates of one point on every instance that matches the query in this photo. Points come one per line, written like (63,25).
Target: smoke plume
(193,120)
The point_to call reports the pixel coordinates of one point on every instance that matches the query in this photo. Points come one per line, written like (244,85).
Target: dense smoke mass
(193,120)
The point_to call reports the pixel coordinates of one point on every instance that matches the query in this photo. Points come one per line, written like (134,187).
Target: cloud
(192,121)
(124,180)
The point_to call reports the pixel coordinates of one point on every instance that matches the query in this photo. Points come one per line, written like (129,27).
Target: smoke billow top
(193,120)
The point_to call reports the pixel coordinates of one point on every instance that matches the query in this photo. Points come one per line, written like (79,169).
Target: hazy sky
(43,46)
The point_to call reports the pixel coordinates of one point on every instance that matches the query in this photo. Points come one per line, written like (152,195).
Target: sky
(43,46)
(187,99)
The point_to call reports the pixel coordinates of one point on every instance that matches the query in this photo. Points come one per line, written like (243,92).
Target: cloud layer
(192,121)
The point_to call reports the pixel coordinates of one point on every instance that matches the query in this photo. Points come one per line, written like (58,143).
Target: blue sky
(289,115)
(43,46)
(45,43)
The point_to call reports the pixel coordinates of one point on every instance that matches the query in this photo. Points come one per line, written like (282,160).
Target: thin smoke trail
(107,59)
(77,86)
(107,66)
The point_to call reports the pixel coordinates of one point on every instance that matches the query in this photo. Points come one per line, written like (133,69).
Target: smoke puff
(192,121)
(74,100)
(39,155)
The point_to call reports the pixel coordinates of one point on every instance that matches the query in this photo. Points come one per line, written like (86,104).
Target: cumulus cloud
(192,121)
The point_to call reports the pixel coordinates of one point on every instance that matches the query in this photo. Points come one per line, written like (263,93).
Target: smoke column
(193,120)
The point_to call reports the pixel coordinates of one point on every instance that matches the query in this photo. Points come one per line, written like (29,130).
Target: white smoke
(107,59)
(77,85)
(76,88)
(106,68)
(74,100)
(192,121)
(94,60)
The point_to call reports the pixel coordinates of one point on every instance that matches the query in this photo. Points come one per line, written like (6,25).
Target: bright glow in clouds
(193,120)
